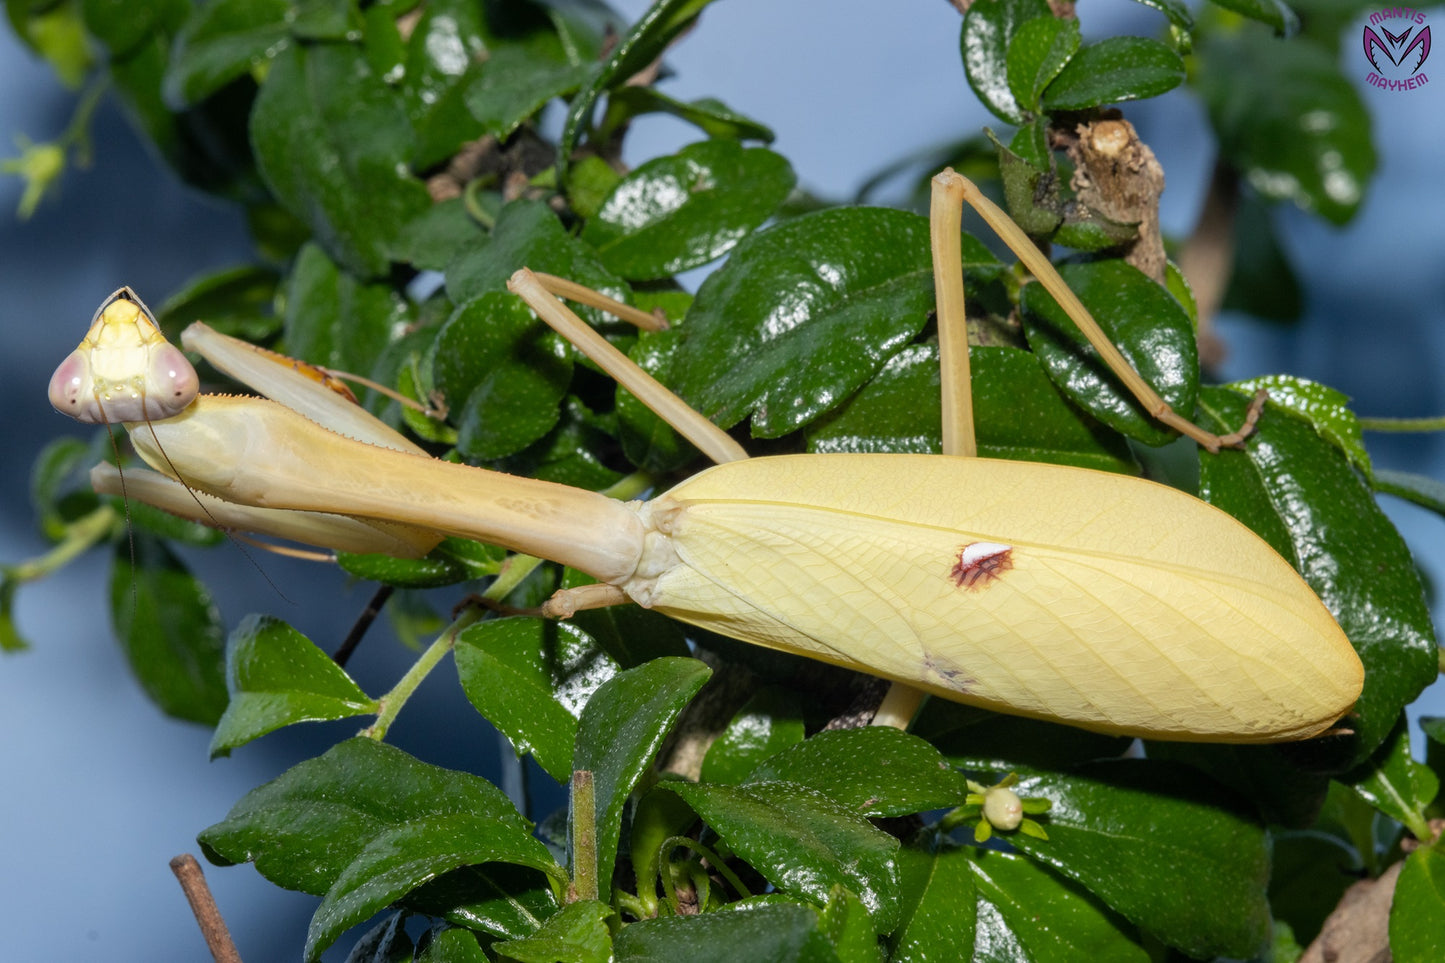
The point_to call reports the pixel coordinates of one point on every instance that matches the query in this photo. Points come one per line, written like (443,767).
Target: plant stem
(1437,423)
(584,836)
(392,702)
(79,537)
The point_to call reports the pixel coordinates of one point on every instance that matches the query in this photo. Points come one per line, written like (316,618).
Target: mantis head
(124,369)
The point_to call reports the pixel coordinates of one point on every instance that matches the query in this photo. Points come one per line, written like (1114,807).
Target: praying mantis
(1098,600)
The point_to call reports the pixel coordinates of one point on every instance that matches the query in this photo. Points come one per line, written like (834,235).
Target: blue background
(99,790)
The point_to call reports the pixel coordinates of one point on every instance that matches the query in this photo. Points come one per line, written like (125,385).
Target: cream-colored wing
(1100,600)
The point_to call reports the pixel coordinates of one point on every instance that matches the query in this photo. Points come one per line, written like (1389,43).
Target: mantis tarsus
(1098,600)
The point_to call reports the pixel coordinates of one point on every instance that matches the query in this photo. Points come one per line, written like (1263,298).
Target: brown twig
(1207,259)
(203,907)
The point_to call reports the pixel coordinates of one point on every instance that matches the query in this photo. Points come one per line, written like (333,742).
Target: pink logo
(1397,56)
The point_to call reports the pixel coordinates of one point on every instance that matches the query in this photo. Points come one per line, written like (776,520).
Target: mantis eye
(70,392)
(171,383)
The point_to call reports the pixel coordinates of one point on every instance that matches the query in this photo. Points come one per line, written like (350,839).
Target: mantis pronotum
(1099,600)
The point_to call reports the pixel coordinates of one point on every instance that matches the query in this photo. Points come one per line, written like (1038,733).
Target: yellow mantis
(1098,600)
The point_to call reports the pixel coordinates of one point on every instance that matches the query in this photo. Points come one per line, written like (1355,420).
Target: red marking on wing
(980,563)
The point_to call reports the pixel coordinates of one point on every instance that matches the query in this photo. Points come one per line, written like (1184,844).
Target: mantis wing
(1101,600)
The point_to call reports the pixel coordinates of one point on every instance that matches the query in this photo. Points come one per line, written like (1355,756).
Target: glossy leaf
(1419,904)
(276,676)
(937,896)
(503,374)
(576,934)
(621,730)
(453,560)
(1039,49)
(1027,912)
(778,931)
(1112,71)
(1018,414)
(528,234)
(1272,13)
(222,41)
(849,926)
(530,678)
(643,43)
(802,315)
(1141,835)
(334,320)
(1300,494)
(875,771)
(1394,783)
(988,29)
(1323,407)
(515,83)
(401,858)
(233,300)
(304,828)
(452,944)
(708,114)
(169,629)
(443,54)
(679,212)
(332,142)
(802,842)
(1142,319)
(649,442)
(768,723)
(1289,120)
(432,240)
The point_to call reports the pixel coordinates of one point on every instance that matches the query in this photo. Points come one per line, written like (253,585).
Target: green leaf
(988,29)
(1039,49)
(336,321)
(1026,912)
(276,677)
(233,300)
(222,41)
(530,678)
(57,33)
(453,944)
(503,374)
(709,115)
(575,934)
(435,238)
(1115,70)
(123,26)
(937,896)
(10,638)
(650,443)
(1309,873)
(386,942)
(1272,13)
(620,731)
(443,54)
(1300,494)
(528,234)
(1018,414)
(802,842)
(169,629)
(453,560)
(774,932)
(1423,490)
(1395,784)
(515,83)
(684,210)
(60,485)
(802,315)
(1178,14)
(401,858)
(850,927)
(974,739)
(653,32)
(768,722)
(1288,119)
(1140,835)
(1323,407)
(306,827)
(1141,318)
(332,142)
(1418,907)
(1264,282)
(630,634)
(875,771)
